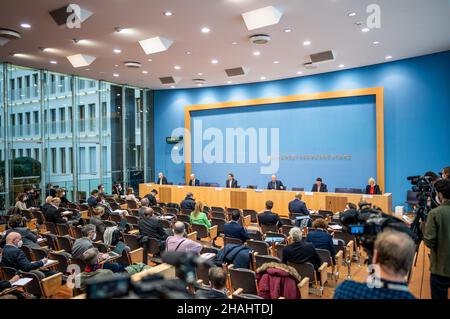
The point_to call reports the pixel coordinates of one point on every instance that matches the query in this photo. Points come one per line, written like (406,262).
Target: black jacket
(52,214)
(298,207)
(15,258)
(164,181)
(238,255)
(376,189)
(323,188)
(300,253)
(151,200)
(275,185)
(195,182)
(28,237)
(152,227)
(206,293)
(188,203)
(234,230)
(269,218)
(5,284)
(92,201)
(234,183)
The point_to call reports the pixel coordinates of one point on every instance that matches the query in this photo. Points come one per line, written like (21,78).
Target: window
(36,154)
(13,124)
(21,153)
(13,154)
(82,127)
(27,86)
(62,120)
(36,122)
(71,159)
(81,84)
(69,109)
(54,161)
(20,91)
(62,84)
(35,85)
(92,160)
(53,121)
(82,160)
(28,152)
(20,124)
(52,84)
(92,84)
(105,158)
(92,117)
(12,86)
(28,123)
(62,160)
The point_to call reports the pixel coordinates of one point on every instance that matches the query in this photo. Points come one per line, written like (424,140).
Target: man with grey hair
(188,203)
(275,184)
(300,252)
(178,242)
(392,260)
(193,181)
(144,204)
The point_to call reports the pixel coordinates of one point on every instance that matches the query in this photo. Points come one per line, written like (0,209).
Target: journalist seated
(392,260)
(234,230)
(178,242)
(300,252)
(218,281)
(321,238)
(93,269)
(17,224)
(152,227)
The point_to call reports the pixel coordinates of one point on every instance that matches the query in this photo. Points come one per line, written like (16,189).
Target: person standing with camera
(437,238)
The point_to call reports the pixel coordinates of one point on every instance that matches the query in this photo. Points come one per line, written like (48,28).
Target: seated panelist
(275,184)
(162,180)
(319,187)
(372,188)
(231,182)
(193,181)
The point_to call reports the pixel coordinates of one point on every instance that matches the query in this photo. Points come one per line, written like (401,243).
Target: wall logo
(74,19)
(238,146)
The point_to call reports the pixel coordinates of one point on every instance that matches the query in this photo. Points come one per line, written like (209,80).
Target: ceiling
(408,28)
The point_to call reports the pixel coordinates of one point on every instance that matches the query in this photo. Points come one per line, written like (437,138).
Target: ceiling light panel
(155,45)
(263,17)
(81,60)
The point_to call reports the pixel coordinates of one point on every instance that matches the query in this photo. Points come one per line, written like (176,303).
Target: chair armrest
(350,246)
(303,287)
(137,256)
(323,273)
(238,291)
(192,236)
(338,259)
(213,232)
(134,232)
(51,285)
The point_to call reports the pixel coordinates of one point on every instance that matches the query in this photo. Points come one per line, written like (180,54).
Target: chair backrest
(115,218)
(279,250)
(65,243)
(153,246)
(185,211)
(285,229)
(63,261)
(51,241)
(302,221)
(7,272)
(216,214)
(51,227)
(132,204)
(34,287)
(159,210)
(325,213)
(263,259)
(202,273)
(202,231)
(166,223)
(220,222)
(243,278)
(298,189)
(217,209)
(253,215)
(76,232)
(28,253)
(325,256)
(183,218)
(261,247)
(285,221)
(131,241)
(348,190)
(102,247)
(62,229)
(255,234)
(133,220)
(232,209)
(346,237)
(269,228)
(40,218)
(230,240)
(304,270)
(39,253)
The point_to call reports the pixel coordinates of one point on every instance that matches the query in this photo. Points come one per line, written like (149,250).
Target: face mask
(19,243)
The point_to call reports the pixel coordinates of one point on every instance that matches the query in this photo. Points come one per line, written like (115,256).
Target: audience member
(320,237)
(233,229)
(17,224)
(300,252)
(152,227)
(268,217)
(178,242)
(218,281)
(21,201)
(92,270)
(198,217)
(188,203)
(297,206)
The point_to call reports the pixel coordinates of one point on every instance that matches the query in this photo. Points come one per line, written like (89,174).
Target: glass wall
(74,133)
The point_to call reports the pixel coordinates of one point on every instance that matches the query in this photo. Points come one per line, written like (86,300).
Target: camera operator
(437,238)
(393,257)
(445,173)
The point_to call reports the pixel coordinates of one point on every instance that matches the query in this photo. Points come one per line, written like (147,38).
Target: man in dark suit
(194,181)
(297,206)
(152,227)
(15,258)
(162,180)
(218,281)
(152,201)
(52,214)
(300,252)
(231,182)
(92,200)
(188,203)
(233,229)
(268,217)
(319,186)
(275,184)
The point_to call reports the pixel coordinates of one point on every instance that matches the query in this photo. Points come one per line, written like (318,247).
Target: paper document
(335,227)
(50,262)
(22,282)
(40,240)
(208,256)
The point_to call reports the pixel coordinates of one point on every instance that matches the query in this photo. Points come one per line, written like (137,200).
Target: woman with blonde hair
(130,195)
(198,217)
(372,188)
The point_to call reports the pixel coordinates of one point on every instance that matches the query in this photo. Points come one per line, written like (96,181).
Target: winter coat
(277,280)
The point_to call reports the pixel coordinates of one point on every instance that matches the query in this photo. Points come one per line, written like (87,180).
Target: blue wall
(417,112)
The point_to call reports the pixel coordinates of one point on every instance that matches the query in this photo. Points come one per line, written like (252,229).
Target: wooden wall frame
(379,109)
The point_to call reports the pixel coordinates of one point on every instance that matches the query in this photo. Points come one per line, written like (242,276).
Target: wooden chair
(279,250)
(183,218)
(232,209)
(185,211)
(75,232)
(159,210)
(219,215)
(44,288)
(217,209)
(252,213)
(285,229)
(133,220)
(347,251)
(220,223)
(325,257)
(63,261)
(65,243)
(259,260)
(51,241)
(261,247)
(256,235)
(269,228)
(102,247)
(115,218)
(38,253)
(307,270)
(7,272)
(230,240)
(132,257)
(28,253)
(62,229)
(166,223)
(203,233)
(40,218)
(131,241)
(244,279)
(51,227)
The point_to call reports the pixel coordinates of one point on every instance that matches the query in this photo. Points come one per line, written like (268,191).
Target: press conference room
(225,150)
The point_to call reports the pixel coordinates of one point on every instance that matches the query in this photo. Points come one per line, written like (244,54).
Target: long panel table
(255,199)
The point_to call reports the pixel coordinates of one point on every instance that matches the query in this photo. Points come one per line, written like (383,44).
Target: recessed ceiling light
(306,43)
(45,49)
(214,61)
(145,72)
(388,57)
(262,78)
(119,29)
(177,67)
(256,53)
(199,73)
(116,65)
(172,86)
(199,84)
(376,42)
(205,30)
(352,14)
(276,62)
(53,62)
(299,72)
(341,66)
(287,30)
(229,82)
(234,43)
(365,30)
(25,25)
(117,51)
(87,69)
(168,13)
(188,52)
(115,75)
(149,60)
